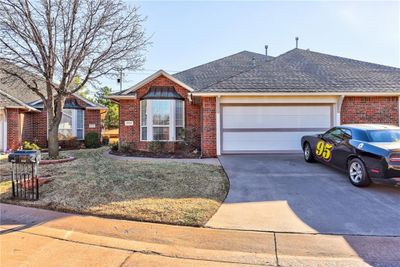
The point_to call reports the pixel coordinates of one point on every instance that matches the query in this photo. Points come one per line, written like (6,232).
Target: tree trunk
(52,142)
(54,114)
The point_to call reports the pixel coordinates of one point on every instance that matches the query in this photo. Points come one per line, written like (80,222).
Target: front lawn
(176,193)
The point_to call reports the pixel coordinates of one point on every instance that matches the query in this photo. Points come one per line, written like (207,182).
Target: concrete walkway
(34,237)
(210,161)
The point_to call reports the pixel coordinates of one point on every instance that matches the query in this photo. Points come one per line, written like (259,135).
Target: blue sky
(188,33)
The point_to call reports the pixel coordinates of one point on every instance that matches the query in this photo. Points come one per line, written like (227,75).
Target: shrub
(189,140)
(70,143)
(30,146)
(156,147)
(127,147)
(106,140)
(92,140)
(114,147)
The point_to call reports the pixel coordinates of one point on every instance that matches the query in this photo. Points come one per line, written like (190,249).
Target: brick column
(13,129)
(208,129)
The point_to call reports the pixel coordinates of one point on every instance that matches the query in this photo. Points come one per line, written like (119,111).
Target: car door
(342,148)
(327,145)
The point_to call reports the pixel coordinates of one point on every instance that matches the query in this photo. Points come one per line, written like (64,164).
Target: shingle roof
(19,90)
(206,75)
(7,101)
(305,71)
(15,87)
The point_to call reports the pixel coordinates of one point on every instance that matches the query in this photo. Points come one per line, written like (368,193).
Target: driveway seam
(276,251)
(294,233)
(144,252)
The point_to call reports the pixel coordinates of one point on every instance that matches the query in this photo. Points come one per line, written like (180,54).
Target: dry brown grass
(176,193)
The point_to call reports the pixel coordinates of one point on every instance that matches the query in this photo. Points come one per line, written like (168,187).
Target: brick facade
(92,118)
(14,137)
(377,109)
(32,126)
(129,110)
(208,127)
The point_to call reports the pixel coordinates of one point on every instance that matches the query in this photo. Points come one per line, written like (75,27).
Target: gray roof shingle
(206,75)
(7,101)
(304,71)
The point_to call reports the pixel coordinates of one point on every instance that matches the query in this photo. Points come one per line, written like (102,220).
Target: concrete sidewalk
(34,237)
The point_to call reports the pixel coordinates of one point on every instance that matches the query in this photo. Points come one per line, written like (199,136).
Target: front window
(161,120)
(71,125)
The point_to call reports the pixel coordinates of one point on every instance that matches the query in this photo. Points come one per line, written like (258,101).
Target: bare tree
(59,40)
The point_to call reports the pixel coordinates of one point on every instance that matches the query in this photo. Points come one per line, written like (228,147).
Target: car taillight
(394,158)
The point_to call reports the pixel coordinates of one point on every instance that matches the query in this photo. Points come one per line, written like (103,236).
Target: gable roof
(8,101)
(18,90)
(310,72)
(206,75)
(155,75)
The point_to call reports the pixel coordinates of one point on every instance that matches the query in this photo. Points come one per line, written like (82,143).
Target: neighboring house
(251,103)
(22,117)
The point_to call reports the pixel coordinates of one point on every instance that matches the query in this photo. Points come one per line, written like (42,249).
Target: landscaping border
(55,161)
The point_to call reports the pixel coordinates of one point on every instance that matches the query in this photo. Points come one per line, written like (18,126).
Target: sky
(185,34)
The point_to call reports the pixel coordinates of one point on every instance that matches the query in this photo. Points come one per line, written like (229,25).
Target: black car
(367,152)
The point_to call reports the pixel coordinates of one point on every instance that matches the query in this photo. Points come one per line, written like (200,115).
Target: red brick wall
(92,117)
(27,127)
(130,111)
(208,129)
(359,109)
(35,125)
(14,137)
(39,128)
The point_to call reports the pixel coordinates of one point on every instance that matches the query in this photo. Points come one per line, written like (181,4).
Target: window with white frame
(161,119)
(71,125)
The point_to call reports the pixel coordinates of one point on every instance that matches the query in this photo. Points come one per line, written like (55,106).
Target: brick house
(253,103)
(23,118)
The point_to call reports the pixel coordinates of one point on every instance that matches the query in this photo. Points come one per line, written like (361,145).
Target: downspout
(218,125)
(339,109)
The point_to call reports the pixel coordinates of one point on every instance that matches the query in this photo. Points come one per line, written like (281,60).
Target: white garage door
(270,128)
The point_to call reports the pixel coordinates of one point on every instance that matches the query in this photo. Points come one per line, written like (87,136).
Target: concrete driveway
(282,193)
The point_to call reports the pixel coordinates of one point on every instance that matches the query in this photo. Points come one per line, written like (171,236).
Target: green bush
(156,147)
(26,145)
(114,147)
(92,140)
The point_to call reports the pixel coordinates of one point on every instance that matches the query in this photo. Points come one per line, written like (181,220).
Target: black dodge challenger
(367,152)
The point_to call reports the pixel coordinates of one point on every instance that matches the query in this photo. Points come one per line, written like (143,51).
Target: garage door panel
(262,141)
(263,128)
(276,117)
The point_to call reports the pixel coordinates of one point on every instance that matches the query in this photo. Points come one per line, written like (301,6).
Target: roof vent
(297,42)
(253,61)
(266,50)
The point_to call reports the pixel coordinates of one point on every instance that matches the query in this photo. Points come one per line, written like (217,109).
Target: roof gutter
(297,94)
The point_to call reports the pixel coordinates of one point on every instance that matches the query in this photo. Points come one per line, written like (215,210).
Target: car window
(384,135)
(338,135)
(346,134)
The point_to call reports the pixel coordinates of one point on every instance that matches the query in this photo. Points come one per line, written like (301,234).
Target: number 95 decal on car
(323,150)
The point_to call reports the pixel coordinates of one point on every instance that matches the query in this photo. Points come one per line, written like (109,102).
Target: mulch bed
(55,161)
(28,184)
(147,154)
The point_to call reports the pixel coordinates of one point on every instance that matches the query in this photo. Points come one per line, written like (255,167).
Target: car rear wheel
(357,173)
(308,156)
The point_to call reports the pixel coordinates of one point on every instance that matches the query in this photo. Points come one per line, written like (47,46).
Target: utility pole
(119,80)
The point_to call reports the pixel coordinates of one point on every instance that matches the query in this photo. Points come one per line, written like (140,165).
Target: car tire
(358,174)
(308,155)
